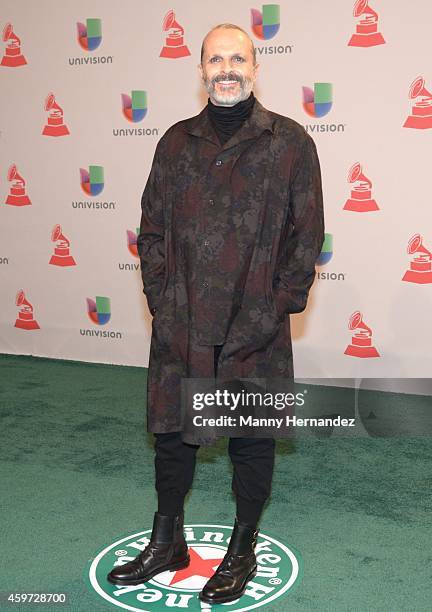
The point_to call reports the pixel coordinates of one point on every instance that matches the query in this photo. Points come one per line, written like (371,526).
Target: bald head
(229,26)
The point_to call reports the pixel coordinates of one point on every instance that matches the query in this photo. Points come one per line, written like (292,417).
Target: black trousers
(252,459)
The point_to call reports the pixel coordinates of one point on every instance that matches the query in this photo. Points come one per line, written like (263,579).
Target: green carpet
(77,474)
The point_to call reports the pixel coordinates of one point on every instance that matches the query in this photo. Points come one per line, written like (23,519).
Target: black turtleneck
(226,120)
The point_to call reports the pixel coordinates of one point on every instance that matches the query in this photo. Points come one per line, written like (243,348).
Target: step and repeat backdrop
(89,87)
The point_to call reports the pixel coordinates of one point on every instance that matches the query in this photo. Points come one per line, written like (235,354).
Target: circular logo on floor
(279,569)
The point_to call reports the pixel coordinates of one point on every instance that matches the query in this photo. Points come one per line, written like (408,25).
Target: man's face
(227,68)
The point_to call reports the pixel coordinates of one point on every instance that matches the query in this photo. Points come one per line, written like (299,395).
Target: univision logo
(134,109)
(279,571)
(99,310)
(135,105)
(89,37)
(317,103)
(324,258)
(132,237)
(99,313)
(92,182)
(90,34)
(265,25)
(326,251)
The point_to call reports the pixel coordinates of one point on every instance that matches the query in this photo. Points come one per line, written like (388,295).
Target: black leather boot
(236,568)
(167,550)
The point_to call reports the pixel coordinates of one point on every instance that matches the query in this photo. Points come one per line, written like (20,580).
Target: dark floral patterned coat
(228,242)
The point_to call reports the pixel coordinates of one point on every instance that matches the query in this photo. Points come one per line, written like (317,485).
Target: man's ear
(200,70)
(256,69)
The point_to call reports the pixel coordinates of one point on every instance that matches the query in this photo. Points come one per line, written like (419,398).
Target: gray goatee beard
(246,86)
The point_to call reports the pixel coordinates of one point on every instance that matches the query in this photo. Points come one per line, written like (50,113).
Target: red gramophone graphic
(360,200)
(174,45)
(420,270)
(25,316)
(421,111)
(17,194)
(55,125)
(13,56)
(361,341)
(61,256)
(366,34)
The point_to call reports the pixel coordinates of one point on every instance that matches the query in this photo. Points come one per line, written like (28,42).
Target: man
(232,224)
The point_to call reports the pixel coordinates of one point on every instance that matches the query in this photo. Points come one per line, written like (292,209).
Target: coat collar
(259,121)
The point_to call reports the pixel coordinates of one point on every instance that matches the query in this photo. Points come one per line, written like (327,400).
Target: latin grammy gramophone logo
(317,102)
(132,241)
(54,125)
(420,270)
(135,105)
(25,318)
(265,24)
(17,194)
(361,340)
(90,34)
(99,310)
(366,34)
(12,57)
(174,46)
(421,110)
(61,256)
(92,180)
(361,193)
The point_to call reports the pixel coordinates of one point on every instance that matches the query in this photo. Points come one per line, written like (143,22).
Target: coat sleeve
(150,241)
(295,268)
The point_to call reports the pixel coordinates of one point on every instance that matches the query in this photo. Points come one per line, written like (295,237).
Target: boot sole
(227,598)
(171,566)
